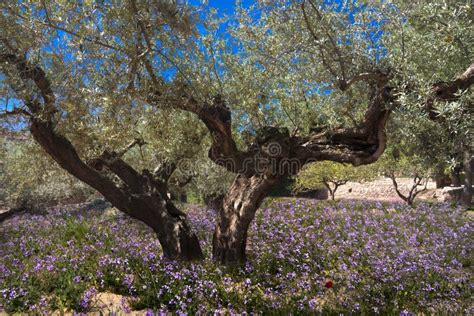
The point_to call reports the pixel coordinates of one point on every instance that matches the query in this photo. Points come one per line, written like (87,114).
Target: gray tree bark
(237,212)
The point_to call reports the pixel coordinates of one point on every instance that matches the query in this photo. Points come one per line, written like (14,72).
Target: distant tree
(410,196)
(394,164)
(332,175)
(31,179)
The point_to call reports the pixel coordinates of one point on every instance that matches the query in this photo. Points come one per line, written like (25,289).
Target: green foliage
(435,42)
(282,66)
(397,162)
(29,176)
(210,180)
(313,176)
(433,45)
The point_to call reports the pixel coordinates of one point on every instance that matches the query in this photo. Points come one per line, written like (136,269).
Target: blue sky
(223,6)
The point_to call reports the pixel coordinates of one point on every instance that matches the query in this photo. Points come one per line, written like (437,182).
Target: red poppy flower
(329,284)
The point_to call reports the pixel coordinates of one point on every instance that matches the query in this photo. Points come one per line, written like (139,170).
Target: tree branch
(336,49)
(395,185)
(137,141)
(57,146)
(217,118)
(145,36)
(417,184)
(375,76)
(448,91)
(359,145)
(37,75)
(328,186)
(112,162)
(15,112)
(51,24)
(316,40)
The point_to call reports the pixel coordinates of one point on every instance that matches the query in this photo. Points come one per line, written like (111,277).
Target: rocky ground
(380,189)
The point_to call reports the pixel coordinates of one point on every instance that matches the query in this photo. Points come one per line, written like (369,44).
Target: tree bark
(456,177)
(178,240)
(467,164)
(331,191)
(234,217)
(142,195)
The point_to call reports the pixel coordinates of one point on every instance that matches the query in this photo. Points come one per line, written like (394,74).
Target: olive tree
(299,82)
(30,178)
(332,175)
(396,163)
(435,39)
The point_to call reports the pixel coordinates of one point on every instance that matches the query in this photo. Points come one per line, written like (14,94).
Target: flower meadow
(305,257)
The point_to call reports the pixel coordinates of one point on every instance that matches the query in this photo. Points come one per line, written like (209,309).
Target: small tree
(394,164)
(332,175)
(414,190)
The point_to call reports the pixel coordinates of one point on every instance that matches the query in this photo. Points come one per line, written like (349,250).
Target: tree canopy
(118,93)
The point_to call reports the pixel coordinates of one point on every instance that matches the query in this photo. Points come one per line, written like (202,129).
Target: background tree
(332,175)
(30,178)
(394,164)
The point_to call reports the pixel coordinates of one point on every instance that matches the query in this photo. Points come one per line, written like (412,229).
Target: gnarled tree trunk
(143,196)
(178,240)
(140,195)
(237,212)
(176,237)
